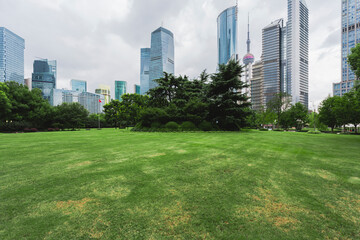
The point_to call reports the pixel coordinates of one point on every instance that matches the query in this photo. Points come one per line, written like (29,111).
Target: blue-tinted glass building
(137,89)
(145,70)
(227,35)
(44,77)
(350,25)
(11,56)
(78,85)
(120,89)
(161,55)
(273,47)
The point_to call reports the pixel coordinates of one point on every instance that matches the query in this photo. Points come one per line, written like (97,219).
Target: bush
(205,126)
(303,131)
(173,126)
(14,126)
(314,132)
(156,125)
(188,126)
(263,130)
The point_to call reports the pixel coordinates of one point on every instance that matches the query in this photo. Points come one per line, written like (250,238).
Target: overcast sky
(100,40)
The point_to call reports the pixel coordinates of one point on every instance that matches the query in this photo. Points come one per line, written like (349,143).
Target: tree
(228,106)
(298,115)
(354,60)
(5,104)
(70,116)
(278,104)
(112,114)
(130,108)
(327,112)
(352,108)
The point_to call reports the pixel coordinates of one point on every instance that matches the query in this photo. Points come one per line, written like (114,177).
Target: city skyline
(195,42)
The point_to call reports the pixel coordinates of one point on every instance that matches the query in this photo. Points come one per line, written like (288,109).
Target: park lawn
(113,184)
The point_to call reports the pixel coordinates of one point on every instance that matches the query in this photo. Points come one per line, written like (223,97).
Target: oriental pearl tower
(248,60)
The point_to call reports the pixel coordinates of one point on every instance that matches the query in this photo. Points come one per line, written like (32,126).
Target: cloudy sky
(100,41)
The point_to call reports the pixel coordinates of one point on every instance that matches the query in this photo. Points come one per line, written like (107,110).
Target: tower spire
(248,42)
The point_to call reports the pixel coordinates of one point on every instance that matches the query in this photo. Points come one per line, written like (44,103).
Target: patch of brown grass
(70,206)
(156,155)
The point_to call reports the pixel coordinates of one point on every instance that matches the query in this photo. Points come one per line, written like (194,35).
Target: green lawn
(113,184)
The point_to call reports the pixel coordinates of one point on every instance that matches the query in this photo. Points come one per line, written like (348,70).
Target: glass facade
(161,55)
(44,77)
(227,35)
(273,67)
(350,25)
(79,85)
(257,86)
(11,56)
(145,70)
(137,89)
(297,52)
(120,89)
(105,91)
(90,101)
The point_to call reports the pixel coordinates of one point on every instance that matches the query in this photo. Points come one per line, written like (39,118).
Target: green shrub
(303,131)
(188,126)
(205,126)
(263,129)
(314,132)
(173,126)
(156,125)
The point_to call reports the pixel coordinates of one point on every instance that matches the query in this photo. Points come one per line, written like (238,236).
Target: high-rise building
(44,77)
(137,89)
(161,55)
(11,56)
(28,83)
(104,90)
(120,89)
(79,85)
(257,86)
(297,83)
(273,48)
(350,36)
(227,35)
(248,62)
(144,70)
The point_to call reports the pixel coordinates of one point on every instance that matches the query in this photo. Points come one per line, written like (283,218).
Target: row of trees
(21,108)
(219,103)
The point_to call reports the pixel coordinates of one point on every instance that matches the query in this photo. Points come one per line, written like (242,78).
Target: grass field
(113,184)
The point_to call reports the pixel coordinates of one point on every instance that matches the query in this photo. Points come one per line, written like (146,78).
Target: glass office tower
(144,70)
(137,89)
(79,85)
(257,86)
(297,84)
(350,36)
(227,35)
(273,47)
(44,77)
(11,56)
(161,55)
(120,89)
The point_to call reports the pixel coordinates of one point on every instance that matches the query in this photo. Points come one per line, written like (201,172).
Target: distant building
(248,62)
(145,70)
(161,55)
(11,56)
(28,83)
(350,36)
(137,89)
(227,35)
(92,102)
(44,77)
(120,89)
(104,90)
(79,85)
(273,48)
(257,86)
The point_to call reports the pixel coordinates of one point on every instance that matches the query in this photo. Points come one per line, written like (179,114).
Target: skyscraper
(273,47)
(248,62)
(11,56)
(79,85)
(161,55)
(144,70)
(350,26)
(227,35)
(297,83)
(120,89)
(257,86)
(105,91)
(44,77)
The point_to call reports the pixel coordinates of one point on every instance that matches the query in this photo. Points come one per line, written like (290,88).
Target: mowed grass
(113,184)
